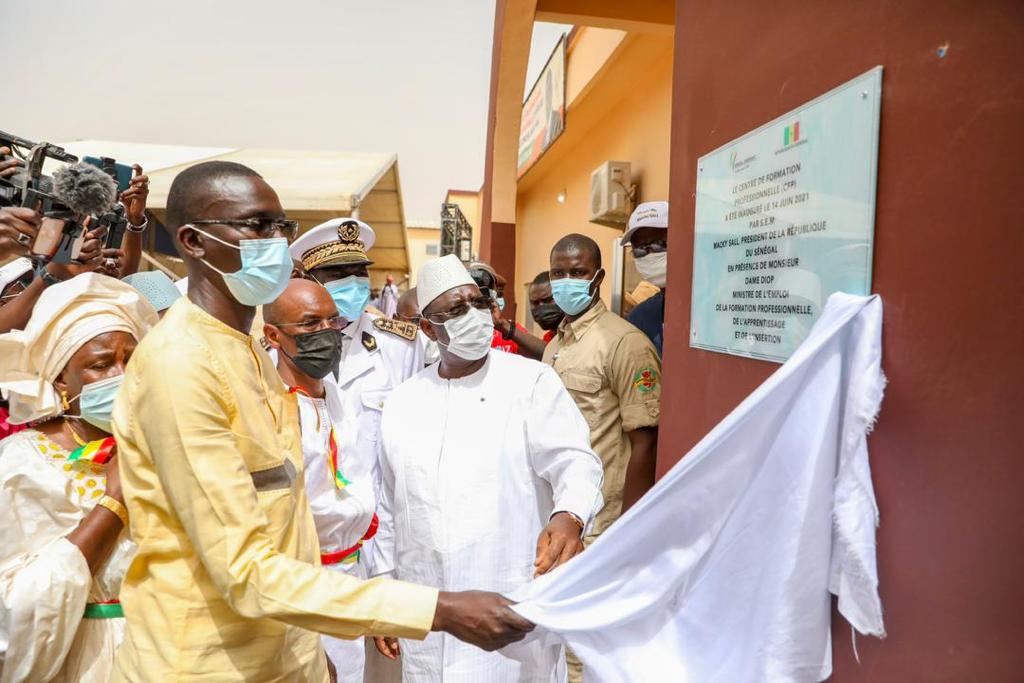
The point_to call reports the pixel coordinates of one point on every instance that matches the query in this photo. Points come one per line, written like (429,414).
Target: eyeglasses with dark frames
(335,322)
(264,227)
(481,303)
(652,248)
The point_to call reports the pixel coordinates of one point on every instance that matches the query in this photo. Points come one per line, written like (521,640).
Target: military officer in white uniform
(378,353)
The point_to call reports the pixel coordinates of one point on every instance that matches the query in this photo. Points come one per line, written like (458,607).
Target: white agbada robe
(722,572)
(472,470)
(343,516)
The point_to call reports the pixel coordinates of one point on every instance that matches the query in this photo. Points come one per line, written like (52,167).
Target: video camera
(29,187)
(78,198)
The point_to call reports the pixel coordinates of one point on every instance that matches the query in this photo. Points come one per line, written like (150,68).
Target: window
(432,249)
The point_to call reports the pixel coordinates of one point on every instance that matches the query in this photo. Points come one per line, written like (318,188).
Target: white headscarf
(66,316)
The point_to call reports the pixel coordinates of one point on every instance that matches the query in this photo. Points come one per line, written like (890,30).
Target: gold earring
(64,400)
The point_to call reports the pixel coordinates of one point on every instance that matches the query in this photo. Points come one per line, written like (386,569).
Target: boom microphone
(85,189)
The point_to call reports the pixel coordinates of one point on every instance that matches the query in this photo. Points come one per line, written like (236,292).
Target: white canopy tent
(314,186)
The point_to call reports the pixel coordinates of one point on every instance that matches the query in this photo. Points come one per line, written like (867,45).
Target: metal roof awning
(314,186)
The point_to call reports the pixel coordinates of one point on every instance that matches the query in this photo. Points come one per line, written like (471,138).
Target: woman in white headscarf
(64,543)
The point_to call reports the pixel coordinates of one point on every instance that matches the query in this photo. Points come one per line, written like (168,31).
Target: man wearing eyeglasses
(489,475)
(377,353)
(647,234)
(304,327)
(226,583)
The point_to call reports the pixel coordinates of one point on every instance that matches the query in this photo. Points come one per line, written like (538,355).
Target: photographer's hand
(9,166)
(111,262)
(18,227)
(134,198)
(90,257)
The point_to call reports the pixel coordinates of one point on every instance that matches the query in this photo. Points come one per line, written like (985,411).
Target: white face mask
(653,267)
(431,353)
(469,335)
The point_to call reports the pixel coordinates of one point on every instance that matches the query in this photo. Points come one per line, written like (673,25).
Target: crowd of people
(242,474)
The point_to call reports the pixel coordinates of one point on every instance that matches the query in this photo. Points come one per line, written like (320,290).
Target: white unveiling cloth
(472,470)
(722,572)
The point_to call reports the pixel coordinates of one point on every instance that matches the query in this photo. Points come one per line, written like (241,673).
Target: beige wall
(419,239)
(622,112)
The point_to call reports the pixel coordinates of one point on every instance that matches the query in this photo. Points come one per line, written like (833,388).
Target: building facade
(947,239)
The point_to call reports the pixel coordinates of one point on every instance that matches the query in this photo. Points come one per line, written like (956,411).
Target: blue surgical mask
(500,300)
(96,402)
(266,269)
(350,295)
(571,294)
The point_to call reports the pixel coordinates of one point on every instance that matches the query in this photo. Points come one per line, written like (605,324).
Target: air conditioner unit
(610,194)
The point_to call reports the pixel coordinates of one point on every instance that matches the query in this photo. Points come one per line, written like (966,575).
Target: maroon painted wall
(946,455)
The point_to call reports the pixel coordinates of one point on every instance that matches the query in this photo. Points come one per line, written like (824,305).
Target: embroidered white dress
(44,579)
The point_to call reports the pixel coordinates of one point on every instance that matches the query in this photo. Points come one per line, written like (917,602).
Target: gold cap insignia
(347,249)
(349,232)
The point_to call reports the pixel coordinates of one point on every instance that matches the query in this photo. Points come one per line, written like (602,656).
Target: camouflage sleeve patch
(399,328)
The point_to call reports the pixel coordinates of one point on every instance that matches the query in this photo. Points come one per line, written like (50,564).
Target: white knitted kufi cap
(438,276)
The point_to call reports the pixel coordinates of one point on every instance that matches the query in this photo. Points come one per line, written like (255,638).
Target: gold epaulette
(399,328)
(374,311)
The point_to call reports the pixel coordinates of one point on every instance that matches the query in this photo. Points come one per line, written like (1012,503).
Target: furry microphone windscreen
(85,189)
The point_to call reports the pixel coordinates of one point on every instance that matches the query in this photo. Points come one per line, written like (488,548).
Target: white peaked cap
(647,215)
(438,276)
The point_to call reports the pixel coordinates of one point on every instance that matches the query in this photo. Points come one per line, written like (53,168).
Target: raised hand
(18,229)
(10,165)
(134,198)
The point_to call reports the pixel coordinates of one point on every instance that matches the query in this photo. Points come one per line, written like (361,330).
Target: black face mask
(548,316)
(319,352)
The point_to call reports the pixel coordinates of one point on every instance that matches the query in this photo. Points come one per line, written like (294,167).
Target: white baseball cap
(647,215)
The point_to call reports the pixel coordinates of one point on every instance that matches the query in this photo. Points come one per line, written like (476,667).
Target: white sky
(402,76)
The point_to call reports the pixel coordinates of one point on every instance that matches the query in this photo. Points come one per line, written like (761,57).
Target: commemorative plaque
(784,218)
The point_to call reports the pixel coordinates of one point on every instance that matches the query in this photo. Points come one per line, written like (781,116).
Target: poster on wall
(543,118)
(785,217)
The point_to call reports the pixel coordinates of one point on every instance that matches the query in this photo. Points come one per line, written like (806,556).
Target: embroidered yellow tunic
(224,586)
